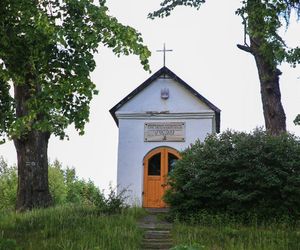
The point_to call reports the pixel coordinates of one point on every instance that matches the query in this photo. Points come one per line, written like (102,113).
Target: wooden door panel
(155,181)
(152,192)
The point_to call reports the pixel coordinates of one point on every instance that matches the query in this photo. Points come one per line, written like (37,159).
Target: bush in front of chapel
(239,174)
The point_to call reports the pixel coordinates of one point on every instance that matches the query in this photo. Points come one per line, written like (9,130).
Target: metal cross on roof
(164,50)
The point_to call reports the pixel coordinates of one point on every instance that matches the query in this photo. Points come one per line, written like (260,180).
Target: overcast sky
(204,55)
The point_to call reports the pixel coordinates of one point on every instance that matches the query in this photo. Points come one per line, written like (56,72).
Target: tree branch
(245,48)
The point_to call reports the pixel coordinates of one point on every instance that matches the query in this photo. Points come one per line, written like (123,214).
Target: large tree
(46,55)
(262,20)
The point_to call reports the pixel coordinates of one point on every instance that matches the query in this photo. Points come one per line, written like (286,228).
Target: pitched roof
(165,71)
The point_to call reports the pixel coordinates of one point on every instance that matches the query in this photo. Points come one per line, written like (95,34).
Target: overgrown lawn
(70,227)
(226,235)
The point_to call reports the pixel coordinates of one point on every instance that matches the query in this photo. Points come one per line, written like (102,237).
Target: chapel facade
(157,120)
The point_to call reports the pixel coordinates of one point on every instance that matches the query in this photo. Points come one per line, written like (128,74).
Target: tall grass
(70,227)
(221,232)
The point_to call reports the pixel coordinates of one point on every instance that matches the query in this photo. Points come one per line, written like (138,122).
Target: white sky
(204,55)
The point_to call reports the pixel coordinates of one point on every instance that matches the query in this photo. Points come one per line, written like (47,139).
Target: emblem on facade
(164,93)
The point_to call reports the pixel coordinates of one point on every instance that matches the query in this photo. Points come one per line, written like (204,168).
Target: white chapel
(157,120)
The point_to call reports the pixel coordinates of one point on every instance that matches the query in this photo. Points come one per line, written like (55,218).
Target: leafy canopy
(49,46)
(263,21)
(268,16)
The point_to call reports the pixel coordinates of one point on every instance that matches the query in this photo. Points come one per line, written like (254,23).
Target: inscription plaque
(164,131)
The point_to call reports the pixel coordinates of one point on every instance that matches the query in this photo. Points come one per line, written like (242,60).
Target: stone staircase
(157,233)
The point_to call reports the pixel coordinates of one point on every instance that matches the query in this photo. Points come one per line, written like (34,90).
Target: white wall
(132,149)
(147,106)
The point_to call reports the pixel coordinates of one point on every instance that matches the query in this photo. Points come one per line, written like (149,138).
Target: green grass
(70,228)
(78,227)
(231,235)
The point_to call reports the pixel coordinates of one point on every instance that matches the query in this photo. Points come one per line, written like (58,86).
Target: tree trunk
(32,146)
(275,119)
(266,65)
(33,189)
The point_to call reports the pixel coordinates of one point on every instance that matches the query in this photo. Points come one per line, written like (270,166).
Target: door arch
(157,164)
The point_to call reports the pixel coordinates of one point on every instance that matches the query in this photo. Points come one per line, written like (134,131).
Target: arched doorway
(157,164)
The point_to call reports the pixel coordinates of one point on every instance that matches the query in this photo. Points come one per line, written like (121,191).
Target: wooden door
(157,164)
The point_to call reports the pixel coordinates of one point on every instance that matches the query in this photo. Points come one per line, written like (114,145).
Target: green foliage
(81,191)
(48,47)
(65,188)
(239,174)
(168,5)
(70,227)
(262,20)
(57,185)
(115,202)
(6,109)
(8,185)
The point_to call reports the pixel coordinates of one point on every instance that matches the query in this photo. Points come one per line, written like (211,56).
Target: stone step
(157,235)
(158,227)
(157,240)
(156,245)
(160,231)
(157,210)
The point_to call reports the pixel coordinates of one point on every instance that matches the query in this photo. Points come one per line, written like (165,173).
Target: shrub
(57,186)
(115,202)
(8,185)
(81,191)
(65,188)
(239,174)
